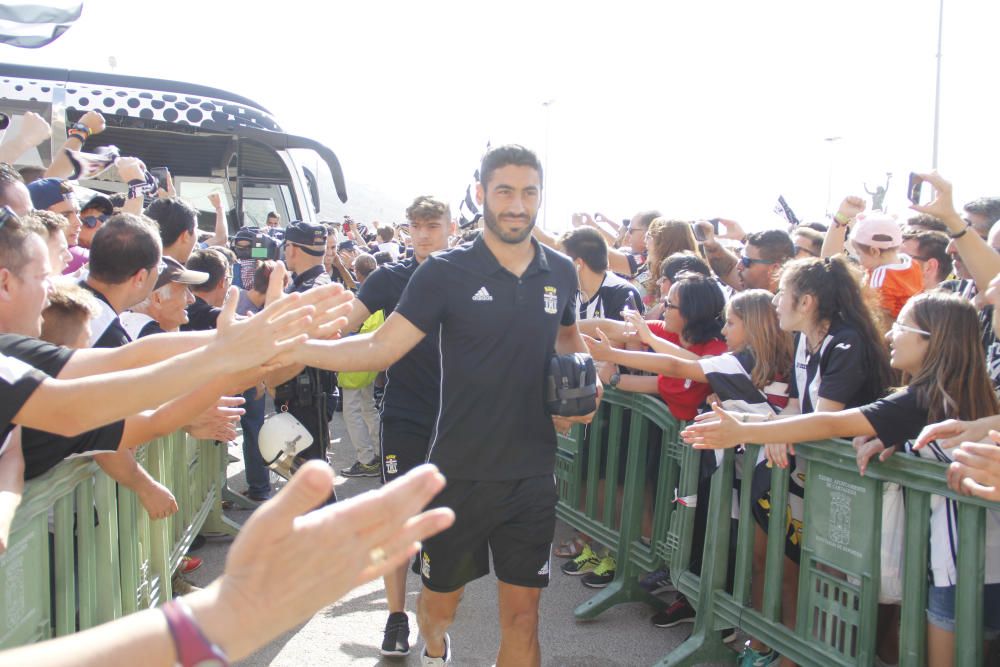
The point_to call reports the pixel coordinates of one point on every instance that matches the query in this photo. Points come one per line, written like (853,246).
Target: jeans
(361,420)
(257,473)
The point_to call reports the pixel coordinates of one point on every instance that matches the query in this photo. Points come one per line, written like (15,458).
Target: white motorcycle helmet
(281,439)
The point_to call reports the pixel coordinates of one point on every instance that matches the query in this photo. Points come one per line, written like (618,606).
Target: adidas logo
(544,572)
(482,295)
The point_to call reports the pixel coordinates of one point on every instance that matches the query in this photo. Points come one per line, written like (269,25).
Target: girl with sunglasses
(935,342)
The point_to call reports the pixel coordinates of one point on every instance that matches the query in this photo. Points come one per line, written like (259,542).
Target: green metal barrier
(839,571)
(83,551)
(580,463)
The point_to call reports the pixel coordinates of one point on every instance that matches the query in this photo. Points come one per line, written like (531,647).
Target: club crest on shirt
(425,565)
(551,300)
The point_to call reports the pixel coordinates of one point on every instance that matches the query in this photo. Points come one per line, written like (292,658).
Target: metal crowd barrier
(839,577)
(83,551)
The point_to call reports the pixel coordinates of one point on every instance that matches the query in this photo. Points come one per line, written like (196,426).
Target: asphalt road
(350,631)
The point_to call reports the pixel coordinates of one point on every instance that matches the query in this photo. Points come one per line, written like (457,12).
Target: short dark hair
(125,244)
(385,233)
(271,214)
(815,238)
(209,261)
(934,245)
(174,216)
(988,207)
(13,237)
(505,156)
(701,304)
(683,262)
(586,244)
(645,218)
(817,226)
(775,245)
(927,223)
(381,257)
(262,275)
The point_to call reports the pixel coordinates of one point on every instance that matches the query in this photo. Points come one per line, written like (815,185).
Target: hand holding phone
(162,176)
(913,189)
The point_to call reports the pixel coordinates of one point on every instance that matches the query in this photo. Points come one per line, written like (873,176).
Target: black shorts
(515,520)
(404,446)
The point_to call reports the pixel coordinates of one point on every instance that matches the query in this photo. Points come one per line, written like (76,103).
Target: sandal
(570,548)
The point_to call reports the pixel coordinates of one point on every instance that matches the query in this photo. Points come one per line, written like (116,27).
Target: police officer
(305,395)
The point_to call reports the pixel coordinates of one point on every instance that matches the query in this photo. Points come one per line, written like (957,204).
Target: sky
(696,109)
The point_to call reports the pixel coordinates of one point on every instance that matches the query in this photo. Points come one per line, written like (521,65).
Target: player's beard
(490,219)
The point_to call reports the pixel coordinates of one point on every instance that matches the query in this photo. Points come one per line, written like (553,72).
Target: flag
(30,25)
(468,211)
(784,210)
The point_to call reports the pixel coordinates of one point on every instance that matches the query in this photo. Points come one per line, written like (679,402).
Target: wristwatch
(615,379)
(193,648)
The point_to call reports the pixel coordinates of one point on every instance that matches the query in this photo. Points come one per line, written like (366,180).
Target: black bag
(571,385)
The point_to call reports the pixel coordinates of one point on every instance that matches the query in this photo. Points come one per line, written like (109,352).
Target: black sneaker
(359,469)
(602,575)
(679,612)
(396,643)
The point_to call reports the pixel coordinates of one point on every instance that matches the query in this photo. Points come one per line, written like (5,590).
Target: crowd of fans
(868,326)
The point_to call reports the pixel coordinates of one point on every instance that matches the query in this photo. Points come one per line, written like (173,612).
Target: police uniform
(410,400)
(305,395)
(492,439)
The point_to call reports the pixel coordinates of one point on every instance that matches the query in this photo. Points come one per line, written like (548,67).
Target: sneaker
(396,642)
(602,575)
(427,661)
(752,658)
(657,582)
(189,564)
(582,564)
(679,612)
(728,635)
(359,469)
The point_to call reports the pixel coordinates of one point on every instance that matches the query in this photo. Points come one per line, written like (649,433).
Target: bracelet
(80,127)
(841,220)
(965,230)
(73,134)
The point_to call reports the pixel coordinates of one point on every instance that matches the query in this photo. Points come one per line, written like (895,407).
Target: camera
(252,243)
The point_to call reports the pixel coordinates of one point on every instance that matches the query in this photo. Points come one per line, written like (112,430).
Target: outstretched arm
(364,352)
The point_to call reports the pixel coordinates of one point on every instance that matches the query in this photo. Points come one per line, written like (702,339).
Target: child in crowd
(752,377)
(934,341)
(876,238)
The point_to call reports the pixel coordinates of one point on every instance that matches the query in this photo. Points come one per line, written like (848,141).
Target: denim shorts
(941,609)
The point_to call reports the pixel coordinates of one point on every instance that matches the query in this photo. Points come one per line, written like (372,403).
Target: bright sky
(699,109)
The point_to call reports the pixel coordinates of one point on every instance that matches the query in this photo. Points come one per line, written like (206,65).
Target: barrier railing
(839,577)
(630,432)
(83,551)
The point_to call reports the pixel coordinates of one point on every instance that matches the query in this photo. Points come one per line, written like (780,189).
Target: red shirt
(684,397)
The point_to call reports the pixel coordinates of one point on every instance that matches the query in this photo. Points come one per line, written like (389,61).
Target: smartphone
(161,174)
(346,227)
(913,189)
(699,234)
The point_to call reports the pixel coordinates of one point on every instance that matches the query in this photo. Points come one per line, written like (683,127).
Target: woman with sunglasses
(935,341)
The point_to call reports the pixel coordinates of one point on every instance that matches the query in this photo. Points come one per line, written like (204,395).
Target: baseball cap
(346,245)
(877,230)
(305,234)
(172,271)
(101,202)
(46,192)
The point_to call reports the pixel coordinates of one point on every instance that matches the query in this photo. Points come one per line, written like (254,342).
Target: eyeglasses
(808,251)
(90,221)
(748,262)
(903,328)
(667,305)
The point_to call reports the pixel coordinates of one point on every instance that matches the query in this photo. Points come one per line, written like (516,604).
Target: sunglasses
(91,221)
(902,328)
(747,262)
(808,251)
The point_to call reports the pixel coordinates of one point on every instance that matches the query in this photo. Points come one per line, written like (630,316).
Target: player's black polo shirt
(414,381)
(497,334)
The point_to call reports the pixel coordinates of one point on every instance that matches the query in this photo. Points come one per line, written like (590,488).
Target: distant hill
(364,203)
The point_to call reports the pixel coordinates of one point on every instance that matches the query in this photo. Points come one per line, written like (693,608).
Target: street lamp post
(547,105)
(829,173)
